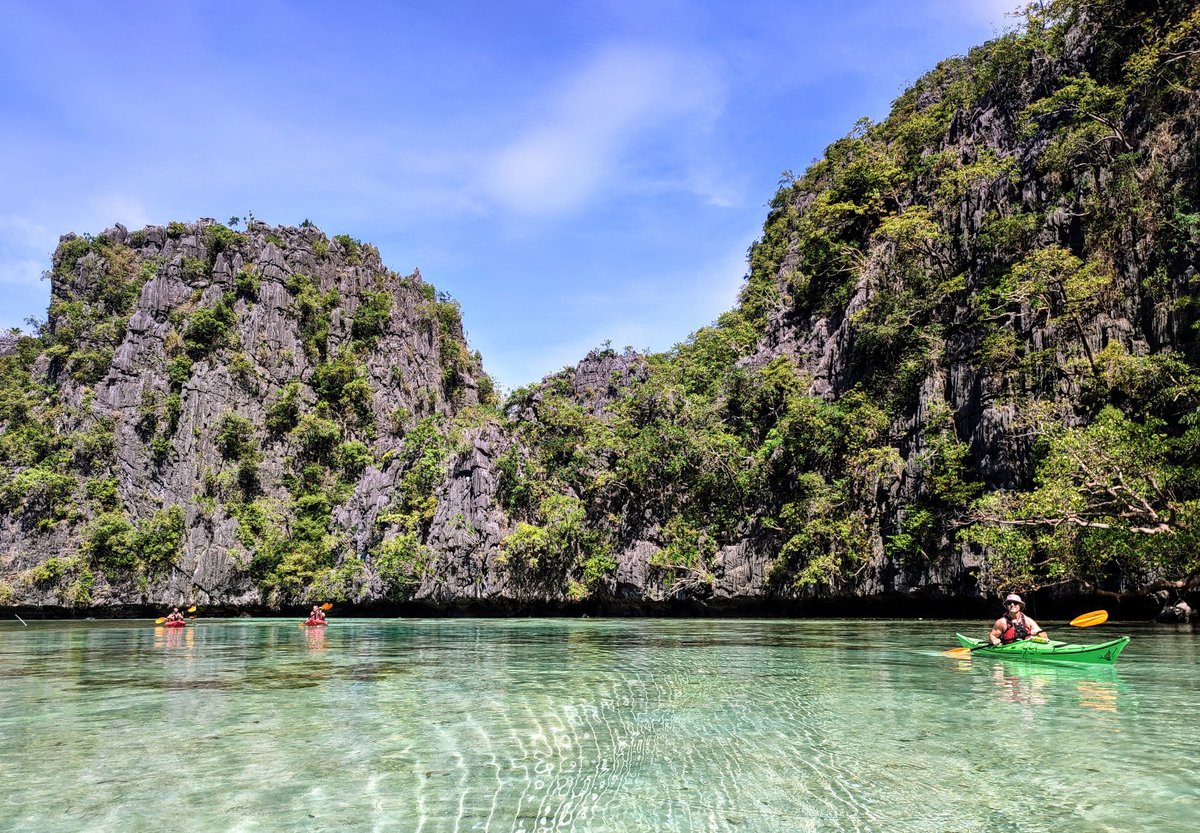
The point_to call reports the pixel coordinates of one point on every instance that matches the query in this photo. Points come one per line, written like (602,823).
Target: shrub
(219,239)
(209,329)
(89,366)
(69,252)
(351,247)
(331,377)
(160,538)
(316,436)
(102,491)
(284,414)
(234,435)
(401,563)
(40,492)
(371,318)
(247,283)
(160,447)
(173,407)
(79,594)
(194,270)
(52,569)
(179,370)
(315,308)
(353,457)
(111,542)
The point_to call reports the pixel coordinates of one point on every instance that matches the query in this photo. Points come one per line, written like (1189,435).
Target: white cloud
(25,248)
(22,271)
(106,210)
(579,138)
(996,12)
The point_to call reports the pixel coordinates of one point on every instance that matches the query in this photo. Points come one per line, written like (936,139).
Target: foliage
(247,282)
(316,435)
(315,308)
(401,564)
(208,330)
(119,548)
(283,415)
(371,318)
(234,435)
(1113,495)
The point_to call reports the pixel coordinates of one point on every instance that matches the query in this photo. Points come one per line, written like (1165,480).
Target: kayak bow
(1103,653)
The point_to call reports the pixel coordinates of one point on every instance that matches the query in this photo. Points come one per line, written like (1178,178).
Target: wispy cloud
(24,244)
(578,139)
(999,13)
(108,209)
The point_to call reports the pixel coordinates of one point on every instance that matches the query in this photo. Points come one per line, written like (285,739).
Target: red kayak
(174,624)
(315,623)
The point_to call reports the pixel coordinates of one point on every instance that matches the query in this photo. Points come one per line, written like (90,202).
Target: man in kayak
(1014,625)
(174,615)
(317,614)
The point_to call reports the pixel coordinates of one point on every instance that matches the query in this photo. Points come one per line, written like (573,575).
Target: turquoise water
(588,725)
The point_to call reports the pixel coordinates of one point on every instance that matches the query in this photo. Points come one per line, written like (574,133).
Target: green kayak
(1103,653)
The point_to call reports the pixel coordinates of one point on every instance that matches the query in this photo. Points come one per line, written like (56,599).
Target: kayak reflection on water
(1092,687)
(314,639)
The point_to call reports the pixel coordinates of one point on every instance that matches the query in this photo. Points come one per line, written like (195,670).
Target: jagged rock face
(169,394)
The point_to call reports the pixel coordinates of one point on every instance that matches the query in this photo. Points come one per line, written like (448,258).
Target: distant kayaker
(174,615)
(317,614)
(1014,625)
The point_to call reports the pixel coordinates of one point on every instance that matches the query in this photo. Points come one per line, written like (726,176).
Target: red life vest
(1017,629)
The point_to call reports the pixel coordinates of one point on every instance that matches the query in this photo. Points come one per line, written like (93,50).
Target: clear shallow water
(588,725)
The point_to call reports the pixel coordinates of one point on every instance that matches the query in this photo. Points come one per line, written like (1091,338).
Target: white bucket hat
(1013,597)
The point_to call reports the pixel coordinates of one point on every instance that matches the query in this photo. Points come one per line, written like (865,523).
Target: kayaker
(1014,625)
(317,614)
(174,615)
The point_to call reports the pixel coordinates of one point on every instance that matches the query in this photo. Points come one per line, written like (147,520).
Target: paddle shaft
(987,644)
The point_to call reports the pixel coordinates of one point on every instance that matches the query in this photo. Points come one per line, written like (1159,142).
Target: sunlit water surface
(587,725)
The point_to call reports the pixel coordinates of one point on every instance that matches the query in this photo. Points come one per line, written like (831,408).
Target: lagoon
(573,725)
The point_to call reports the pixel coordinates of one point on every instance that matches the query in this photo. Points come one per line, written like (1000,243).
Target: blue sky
(572,173)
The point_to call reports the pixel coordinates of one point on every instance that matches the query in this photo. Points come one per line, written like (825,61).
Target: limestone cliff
(246,382)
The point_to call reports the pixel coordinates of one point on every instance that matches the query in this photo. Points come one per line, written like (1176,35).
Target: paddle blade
(327,606)
(192,609)
(1096,617)
(957,652)
(160,620)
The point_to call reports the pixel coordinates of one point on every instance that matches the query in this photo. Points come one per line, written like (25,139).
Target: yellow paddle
(1086,620)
